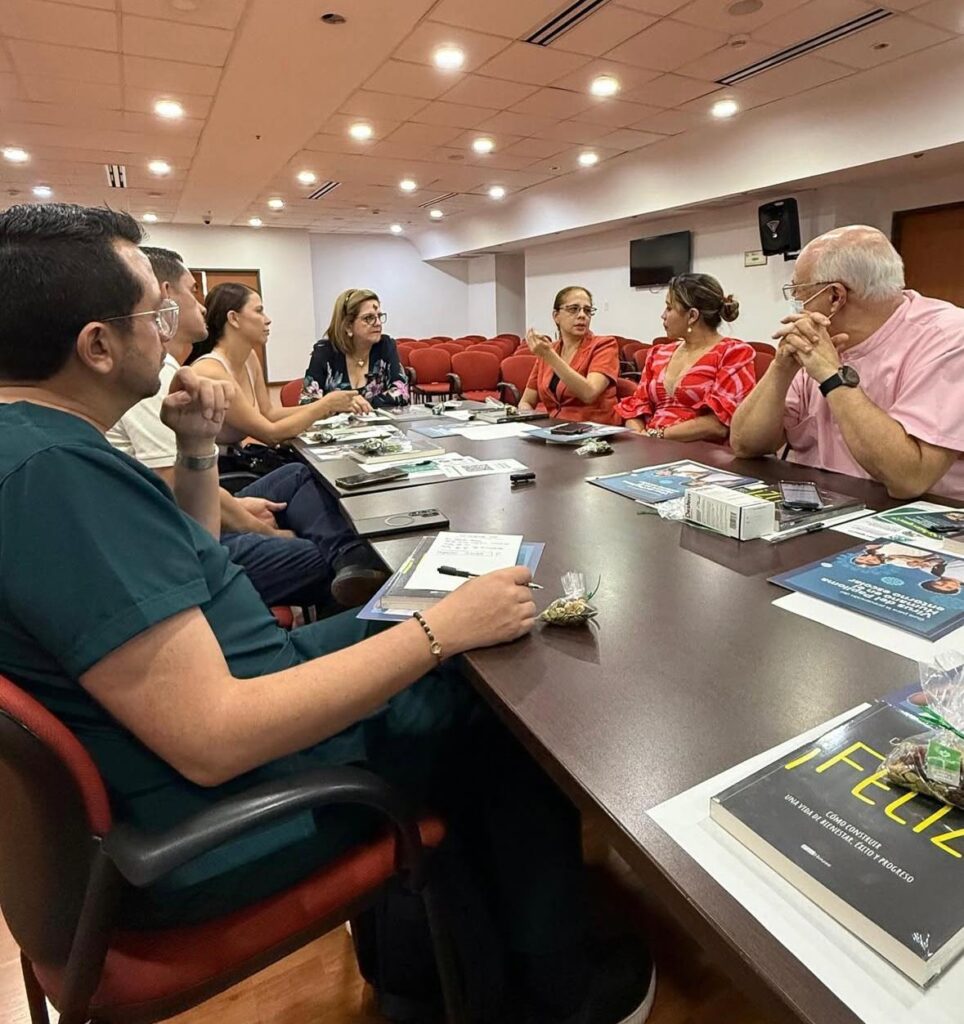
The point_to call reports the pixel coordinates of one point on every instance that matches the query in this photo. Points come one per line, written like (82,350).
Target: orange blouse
(594,355)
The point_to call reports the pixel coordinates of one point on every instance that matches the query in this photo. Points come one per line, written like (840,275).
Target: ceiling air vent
(565,20)
(437,200)
(848,28)
(116,175)
(323,189)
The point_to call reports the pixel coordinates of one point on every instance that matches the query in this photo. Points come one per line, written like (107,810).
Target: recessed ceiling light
(588,158)
(16,155)
(407,185)
(276,204)
(724,108)
(255,222)
(436,214)
(171,110)
(361,131)
(604,85)
(43,191)
(333,18)
(448,58)
(307,177)
(159,167)
(149,218)
(497,192)
(483,145)
(396,229)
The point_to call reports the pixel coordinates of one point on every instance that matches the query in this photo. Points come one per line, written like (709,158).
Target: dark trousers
(293,570)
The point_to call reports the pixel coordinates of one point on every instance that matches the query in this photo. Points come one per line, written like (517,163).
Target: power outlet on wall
(754,258)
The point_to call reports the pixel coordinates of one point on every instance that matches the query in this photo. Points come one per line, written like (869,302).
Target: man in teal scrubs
(123,615)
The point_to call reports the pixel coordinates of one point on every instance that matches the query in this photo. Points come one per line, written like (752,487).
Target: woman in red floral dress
(691,386)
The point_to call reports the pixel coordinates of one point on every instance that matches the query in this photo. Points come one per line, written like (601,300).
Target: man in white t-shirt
(284,530)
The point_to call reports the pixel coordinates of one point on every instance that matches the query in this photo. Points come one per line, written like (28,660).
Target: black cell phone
(402,522)
(572,428)
(383,476)
(800,495)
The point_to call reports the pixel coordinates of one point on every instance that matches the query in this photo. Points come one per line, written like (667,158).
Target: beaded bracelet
(433,645)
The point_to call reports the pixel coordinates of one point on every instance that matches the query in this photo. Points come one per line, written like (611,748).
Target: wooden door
(931,242)
(250,279)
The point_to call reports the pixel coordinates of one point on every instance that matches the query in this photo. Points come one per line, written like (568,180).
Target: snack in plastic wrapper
(933,762)
(595,446)
(574,609)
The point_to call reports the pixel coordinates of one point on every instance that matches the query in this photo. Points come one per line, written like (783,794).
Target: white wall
(421,299)
(510,293)
(482,301)
(284,260)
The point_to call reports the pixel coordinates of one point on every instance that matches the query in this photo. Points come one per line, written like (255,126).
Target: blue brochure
(529,555)
(654,484)
(914,589)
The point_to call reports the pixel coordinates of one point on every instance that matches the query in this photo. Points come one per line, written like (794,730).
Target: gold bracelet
(433,645)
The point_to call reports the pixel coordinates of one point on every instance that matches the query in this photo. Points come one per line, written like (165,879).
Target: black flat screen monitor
(653,261)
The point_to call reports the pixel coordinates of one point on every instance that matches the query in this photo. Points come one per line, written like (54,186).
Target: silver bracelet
(197,463)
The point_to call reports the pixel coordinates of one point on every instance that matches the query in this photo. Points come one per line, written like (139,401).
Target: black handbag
(258,459)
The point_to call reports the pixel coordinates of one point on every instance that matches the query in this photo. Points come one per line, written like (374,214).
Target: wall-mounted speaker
(779,227)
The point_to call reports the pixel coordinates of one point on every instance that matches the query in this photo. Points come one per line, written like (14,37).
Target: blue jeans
(295,570)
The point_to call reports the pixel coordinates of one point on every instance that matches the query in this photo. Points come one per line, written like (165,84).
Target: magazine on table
(924,523)
(652,485)
(909,587)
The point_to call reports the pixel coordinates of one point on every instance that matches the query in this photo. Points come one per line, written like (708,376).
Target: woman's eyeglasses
(575,309)
(165,318)
(373,318)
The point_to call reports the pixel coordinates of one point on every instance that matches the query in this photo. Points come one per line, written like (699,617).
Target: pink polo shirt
(912,367)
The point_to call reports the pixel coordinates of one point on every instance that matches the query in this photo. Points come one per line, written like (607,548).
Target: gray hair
(863,259)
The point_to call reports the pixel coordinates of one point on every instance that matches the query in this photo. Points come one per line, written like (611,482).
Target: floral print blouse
(386,384)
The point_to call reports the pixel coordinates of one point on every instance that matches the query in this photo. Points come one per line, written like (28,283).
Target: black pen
(448,570)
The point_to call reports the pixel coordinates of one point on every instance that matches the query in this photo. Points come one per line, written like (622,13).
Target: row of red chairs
(477,373)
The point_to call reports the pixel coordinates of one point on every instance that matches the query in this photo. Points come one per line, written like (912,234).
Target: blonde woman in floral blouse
(356,356)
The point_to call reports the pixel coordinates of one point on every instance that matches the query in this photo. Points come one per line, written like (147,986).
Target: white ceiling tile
(511,18)
(474,90)
(903,5)
(809,20)
(947,14)
(400,149)
(669,91)
(895,37)
(57,23)
(338,124)
(627,139)
(668,45)
(515,124)
(672,122)
(389,106)
(29,112)
(629,77)
(601,31)
(789,79)
(714,14)
(10,88)
(133,144)
(168,40)
(538,149)
(500,160)
(411,80)
(537,65)
(577,132)
(424,134)
(550,102)
(724,61)
(331,142)
(5,64)
(502,140)
(213,13)
(419,47)
(62,90)
(457,115)
(64,62)
(616,113)
(170,76)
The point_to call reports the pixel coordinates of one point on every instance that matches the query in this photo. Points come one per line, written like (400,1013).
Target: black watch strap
(831,384)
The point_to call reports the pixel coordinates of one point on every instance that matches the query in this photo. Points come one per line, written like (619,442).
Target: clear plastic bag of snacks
(932,762)
(574,608)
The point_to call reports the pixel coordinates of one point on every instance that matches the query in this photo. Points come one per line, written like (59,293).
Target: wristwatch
(845,377)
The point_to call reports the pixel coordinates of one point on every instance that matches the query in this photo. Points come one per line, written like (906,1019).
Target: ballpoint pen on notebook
(448,570)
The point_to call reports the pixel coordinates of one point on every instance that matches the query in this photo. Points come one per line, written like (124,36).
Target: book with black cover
(883,861)
(833,504)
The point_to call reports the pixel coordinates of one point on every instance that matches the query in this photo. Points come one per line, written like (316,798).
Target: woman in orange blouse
(691,387)
(575,377)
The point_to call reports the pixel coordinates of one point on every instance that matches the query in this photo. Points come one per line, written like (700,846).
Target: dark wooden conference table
(688,671)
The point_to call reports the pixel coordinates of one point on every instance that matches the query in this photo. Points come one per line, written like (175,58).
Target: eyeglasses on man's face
(574,309)
(790,291)
(370,319)
(165,318)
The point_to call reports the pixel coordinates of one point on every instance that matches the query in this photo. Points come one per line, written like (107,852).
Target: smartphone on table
(572,428)
(383,476)
(800,495)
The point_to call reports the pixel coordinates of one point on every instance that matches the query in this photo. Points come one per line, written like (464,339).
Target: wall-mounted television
(653,261)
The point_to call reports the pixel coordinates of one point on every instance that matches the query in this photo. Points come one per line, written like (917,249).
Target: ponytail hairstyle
(704,294)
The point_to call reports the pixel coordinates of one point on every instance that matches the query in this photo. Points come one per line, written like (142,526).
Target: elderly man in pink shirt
(880,397)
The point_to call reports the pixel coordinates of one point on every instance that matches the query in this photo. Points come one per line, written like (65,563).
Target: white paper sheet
(419,468)
(476,467)
(873,527)
(876,992)
(870,631)
(476,553)
(495,431)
